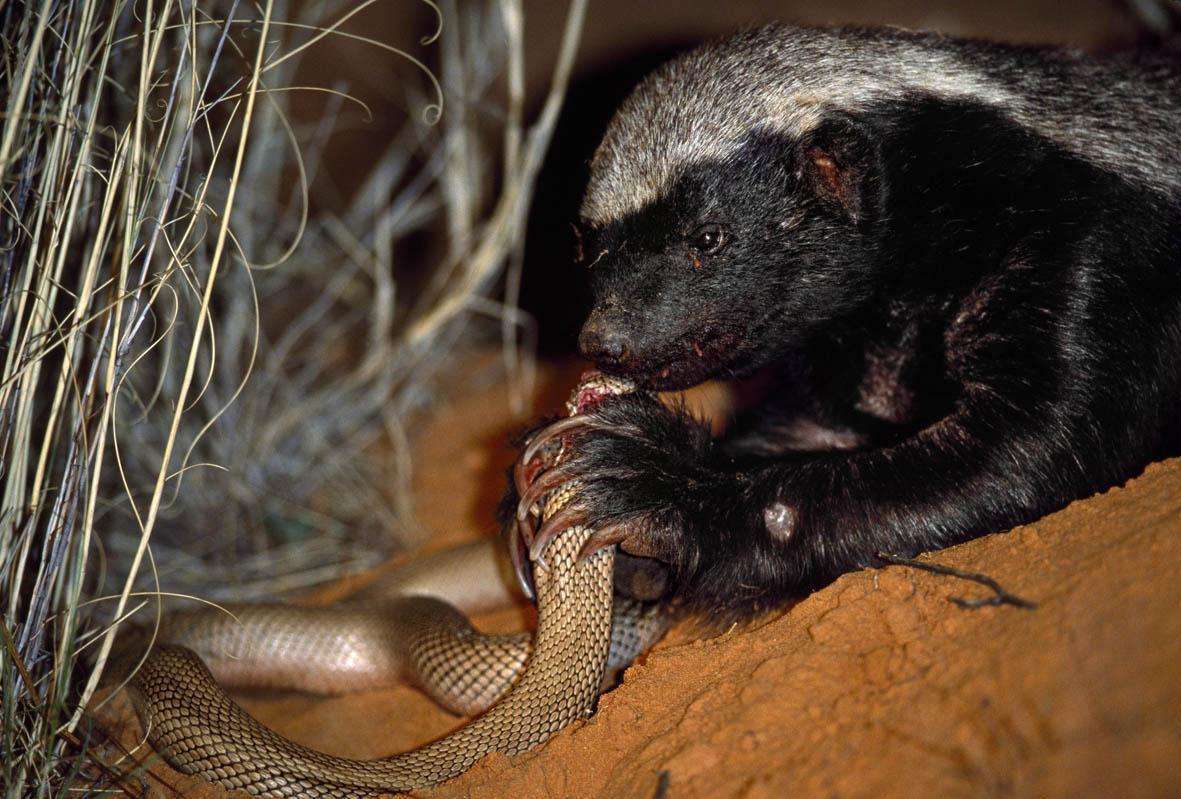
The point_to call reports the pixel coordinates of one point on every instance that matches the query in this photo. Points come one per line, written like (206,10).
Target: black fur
(967,325)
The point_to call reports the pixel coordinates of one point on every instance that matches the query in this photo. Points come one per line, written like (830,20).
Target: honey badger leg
(798,526)
(739,541)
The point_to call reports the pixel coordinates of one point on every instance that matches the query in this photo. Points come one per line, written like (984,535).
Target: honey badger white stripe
(702,106)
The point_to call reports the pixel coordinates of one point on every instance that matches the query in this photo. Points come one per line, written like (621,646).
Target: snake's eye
(709,239)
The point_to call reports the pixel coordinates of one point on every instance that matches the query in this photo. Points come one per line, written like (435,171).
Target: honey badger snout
(655,343)
(605,339)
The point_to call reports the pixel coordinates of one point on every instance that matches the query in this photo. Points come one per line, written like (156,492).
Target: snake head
(594,387)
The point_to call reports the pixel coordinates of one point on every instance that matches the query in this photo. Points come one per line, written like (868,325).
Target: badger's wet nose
(605,345)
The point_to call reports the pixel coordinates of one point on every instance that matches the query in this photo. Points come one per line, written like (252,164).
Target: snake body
(530,688)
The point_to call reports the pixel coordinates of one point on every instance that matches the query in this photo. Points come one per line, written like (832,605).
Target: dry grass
(205,383)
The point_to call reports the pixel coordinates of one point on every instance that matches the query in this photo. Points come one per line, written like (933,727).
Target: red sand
(877,686)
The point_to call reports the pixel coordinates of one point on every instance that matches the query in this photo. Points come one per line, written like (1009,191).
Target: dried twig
(1001,596)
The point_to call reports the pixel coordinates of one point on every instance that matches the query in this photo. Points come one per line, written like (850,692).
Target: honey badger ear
(840,161)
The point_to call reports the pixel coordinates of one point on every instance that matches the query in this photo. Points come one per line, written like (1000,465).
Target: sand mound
(877,686)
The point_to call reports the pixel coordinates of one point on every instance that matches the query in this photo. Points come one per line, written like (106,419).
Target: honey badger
(956,265)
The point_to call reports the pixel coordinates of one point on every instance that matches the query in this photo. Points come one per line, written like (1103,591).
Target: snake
(521,689)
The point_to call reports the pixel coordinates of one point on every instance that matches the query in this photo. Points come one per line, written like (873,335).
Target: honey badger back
(960,262)
(1118,113)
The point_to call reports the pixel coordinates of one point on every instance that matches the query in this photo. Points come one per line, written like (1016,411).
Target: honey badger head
(738,261)
(735,205)
(726,218)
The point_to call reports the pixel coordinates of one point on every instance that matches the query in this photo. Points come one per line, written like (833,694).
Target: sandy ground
(877,686)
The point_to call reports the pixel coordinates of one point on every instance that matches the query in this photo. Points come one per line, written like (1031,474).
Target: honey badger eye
(709,239)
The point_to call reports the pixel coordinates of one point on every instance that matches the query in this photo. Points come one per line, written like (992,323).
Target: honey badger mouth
(689,361)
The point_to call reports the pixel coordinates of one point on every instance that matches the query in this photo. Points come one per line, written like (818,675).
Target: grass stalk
(210,371)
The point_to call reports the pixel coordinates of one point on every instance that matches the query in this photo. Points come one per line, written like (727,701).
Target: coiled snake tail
(200,730)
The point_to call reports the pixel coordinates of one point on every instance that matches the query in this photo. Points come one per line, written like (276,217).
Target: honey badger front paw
(640,477)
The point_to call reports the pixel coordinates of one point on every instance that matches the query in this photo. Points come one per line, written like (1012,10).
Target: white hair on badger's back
(702,106)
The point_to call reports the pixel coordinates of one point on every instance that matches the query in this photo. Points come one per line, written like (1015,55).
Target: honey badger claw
(606,536)
(571,425)
(571,515)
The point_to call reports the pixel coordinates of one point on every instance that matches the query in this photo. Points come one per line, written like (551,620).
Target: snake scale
(527,690)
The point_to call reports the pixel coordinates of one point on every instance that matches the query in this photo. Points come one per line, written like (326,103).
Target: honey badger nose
(603,343)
